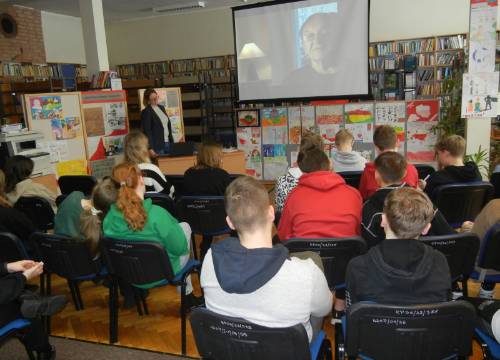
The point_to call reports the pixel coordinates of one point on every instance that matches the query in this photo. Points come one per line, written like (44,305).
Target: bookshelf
(202,81)
(17,79)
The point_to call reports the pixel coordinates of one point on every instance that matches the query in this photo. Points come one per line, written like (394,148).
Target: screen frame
(364,97)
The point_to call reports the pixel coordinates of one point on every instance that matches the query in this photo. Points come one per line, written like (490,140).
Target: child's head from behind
(311,140)
(313,160)
(385,138)
(130,194)
(344,140)
(136,147)
(407,214)
(209,155)
(17,168)
(247,205)
(450,149)
(390,168)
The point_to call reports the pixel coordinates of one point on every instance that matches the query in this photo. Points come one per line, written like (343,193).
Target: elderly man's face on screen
(317,41)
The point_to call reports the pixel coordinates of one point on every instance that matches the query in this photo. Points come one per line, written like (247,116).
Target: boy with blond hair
(343,157)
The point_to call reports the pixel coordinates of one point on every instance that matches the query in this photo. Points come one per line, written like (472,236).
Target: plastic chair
(83,183)
(178,182)
(462,202)
(70,259)
(12,248)
(205,214)
(142,263)
(490,347)
(351,178)
(416,332)
(220,337)
(489,256)
(38,210)
(16,329)
(424,170)
(460,251)
(164,201)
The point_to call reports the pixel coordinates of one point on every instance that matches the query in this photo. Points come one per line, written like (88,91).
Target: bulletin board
(106,125)
(59,118)
(170,98)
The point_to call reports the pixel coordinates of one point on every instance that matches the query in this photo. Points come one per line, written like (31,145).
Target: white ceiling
(116,10)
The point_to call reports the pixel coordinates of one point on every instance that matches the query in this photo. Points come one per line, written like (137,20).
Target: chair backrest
(136,262)
(221,337)
(205,214)
(335,254)
(461,202)
(424,170)
(65,256)
(495,181)
(351,178)
(417,332)
(460,251)
(38,210)
(489,257)
(164,201)
(70,183)
(178,182)
(12,248)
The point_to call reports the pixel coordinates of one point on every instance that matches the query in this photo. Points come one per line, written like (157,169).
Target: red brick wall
(28,45)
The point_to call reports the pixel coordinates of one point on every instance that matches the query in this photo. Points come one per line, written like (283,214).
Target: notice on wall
(480,94)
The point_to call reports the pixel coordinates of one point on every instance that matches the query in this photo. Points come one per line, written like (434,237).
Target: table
(233,162)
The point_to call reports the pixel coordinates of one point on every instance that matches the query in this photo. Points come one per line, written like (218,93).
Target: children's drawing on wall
(275,161)
(46,107)
(420,141)
(248,140)
(480,94)
(422,110)
(67,128)
(388,113)
(294,125)
(113,145)
(330,119)
(358,113)
(116,118)
(307,118)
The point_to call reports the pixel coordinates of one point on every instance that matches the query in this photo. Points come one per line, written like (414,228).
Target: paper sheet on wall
(275,161)
(420,141)
(46,107)
(115,117)
(102,168)
(307,118)
(422,110)
(329,119)
(248,140)
(482,36)
(273,117)
(390,112)
(294,125)
(274,135)
(480,94)
(358,113)
(72,167)
(361,132)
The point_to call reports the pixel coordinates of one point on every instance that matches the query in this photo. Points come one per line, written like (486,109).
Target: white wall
(205,33)
(63,38)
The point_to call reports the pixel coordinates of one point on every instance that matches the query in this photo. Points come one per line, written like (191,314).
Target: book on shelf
(426,60)
(409,94)
(391,81)
(425,74)
(410,80)
(446,58)
(410,62)
(451,42)
(103,79)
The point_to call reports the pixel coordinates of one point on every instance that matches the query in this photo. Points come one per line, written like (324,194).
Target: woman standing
(156,123)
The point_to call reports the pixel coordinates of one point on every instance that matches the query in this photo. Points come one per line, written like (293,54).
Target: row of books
(410,80)
(446,59)
(401,47)
(41,70)
(425,75)
(426,60)
(103,79)
(451,42)
(427,90)
(443,73)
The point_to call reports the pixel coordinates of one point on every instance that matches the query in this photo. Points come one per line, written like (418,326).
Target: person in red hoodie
(321,205)
(385,139)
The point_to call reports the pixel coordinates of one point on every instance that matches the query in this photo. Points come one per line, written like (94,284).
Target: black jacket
(452,174)
(206,181)
(15,222)
(399,272)
(153,128)
(11,286)
(371,218)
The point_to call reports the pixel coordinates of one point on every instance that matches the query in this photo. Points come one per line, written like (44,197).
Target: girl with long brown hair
(136,219)
(156,123)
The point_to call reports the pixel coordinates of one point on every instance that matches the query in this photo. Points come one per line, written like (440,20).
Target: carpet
(68,349)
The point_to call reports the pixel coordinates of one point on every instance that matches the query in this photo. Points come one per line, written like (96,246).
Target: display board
(59,118)
(170,98)
(271,149)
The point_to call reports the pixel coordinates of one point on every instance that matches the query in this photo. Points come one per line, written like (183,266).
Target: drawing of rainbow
(359,116)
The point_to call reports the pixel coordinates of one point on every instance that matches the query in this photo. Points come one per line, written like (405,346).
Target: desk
(232,162)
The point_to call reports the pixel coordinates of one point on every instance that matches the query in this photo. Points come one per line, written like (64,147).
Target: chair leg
(144,304)
(183,318)
(71,286)
(113,312)
(78,294)
(42,284)
(48,292)
(30,354)
(137,299)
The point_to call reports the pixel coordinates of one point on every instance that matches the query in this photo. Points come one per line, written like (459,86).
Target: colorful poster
(274,135)
(480,94)
(275,161)
(115,117)
(46,107)
(387,113)
(249,142)
(94,121)
(483,21)
(420,141)
(482,56)
(294,125)
(72,167)
(361,132)
(274,117)
(248,118)
(307,119)
(328,132)
(67,128)
(329,119)
(113,145)
(422,110)
(358,113)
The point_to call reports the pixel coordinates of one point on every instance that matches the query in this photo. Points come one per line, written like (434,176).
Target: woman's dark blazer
(153,128)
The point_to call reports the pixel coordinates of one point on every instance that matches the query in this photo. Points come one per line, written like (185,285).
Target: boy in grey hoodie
(343,157)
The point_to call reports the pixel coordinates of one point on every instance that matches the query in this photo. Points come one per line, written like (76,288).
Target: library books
(410,80)
(43,71)
(426,60)
(451,42)
(425,75)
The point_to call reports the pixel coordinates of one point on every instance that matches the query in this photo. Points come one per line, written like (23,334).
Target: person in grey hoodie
(251,279)
(343,157)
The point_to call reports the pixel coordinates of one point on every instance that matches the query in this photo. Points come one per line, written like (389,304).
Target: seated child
(401,270)
(385,140)
(343,157)
(250,278)
(390,170)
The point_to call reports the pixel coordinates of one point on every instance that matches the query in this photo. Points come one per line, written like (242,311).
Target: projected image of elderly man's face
(317,42)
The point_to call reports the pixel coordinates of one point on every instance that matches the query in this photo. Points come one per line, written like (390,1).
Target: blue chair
(221,337)
(16,329)
(12,247)
(460,250)
(351,178)
(461,202)
(412,332)
(490,347)
(205,214)
(164,201)
(68,258)
(38,210)
(489,256)
(141,263)
(83,183)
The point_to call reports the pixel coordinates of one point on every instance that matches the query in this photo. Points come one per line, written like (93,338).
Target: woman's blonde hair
(128,202)
(209,156)
(104,195)
(136,148)
(3,199)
